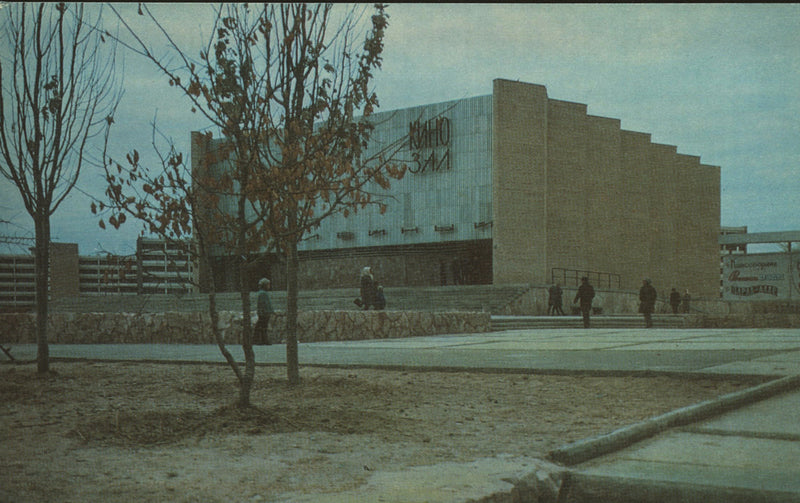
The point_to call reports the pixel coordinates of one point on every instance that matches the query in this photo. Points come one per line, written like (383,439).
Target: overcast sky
(719,81)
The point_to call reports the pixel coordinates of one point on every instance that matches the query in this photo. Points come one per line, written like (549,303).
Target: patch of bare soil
(121,432)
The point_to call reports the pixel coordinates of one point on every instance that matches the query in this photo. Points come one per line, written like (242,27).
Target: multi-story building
(516,187)
(17,282)
(158,266)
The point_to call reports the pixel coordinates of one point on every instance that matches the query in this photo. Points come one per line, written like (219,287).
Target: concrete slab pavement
(598,351)
(747,455)
(497,479)
(783,363)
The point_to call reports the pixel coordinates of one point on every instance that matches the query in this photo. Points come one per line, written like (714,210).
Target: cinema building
(515,187)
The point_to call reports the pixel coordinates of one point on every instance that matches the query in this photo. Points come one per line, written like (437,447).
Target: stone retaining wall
(195,327)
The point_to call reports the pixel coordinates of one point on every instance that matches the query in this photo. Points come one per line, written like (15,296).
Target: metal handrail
(572,277)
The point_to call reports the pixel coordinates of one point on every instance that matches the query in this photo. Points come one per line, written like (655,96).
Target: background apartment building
(158,267)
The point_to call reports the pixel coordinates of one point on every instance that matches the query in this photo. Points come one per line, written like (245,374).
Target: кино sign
(429,142)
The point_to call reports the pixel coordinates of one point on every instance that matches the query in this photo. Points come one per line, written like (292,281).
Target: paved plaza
(738,448)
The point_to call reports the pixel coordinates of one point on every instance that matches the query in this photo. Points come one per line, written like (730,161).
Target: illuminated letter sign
(432,135)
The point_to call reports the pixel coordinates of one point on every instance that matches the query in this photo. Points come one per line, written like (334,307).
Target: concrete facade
(522,188)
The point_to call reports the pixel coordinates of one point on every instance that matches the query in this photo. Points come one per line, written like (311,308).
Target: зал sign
(433,135)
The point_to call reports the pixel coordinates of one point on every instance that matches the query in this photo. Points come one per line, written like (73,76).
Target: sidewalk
(774,352)
(740,448)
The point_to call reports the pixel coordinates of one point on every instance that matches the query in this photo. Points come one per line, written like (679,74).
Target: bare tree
(58,92)
(316,158)
(289,89)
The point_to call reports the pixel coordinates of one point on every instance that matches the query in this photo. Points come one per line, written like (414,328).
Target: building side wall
(661,231)
(703,212)
(569,186)
(574,191)
(605,209)
(633,198)
(519,176)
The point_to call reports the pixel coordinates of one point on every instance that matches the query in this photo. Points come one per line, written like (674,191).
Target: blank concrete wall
(519,166)
(576,191)
(570,178)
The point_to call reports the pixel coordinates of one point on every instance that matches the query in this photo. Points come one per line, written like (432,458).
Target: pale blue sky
(719,81)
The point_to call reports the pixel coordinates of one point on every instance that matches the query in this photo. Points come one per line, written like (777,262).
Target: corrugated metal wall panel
(459,197)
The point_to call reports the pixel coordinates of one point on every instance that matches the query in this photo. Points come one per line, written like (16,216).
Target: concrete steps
(488,298)
(500,323)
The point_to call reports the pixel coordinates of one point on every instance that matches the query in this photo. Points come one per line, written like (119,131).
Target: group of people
(583,298)
(647,300)
(554,300)
(371,292)
(371,296)
(676,301)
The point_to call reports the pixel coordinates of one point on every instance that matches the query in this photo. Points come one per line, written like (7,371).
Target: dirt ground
(121,432)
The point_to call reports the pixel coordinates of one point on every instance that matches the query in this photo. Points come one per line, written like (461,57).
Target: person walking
(380,299)
(368,289)
(264,310)
(686,299)
(554,300)
(647,302)
(585,295)
(674,300)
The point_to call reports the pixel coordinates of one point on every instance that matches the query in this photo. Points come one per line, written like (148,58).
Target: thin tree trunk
(41,267)
(214,314)
(245,383)
(212,311)
(292,357)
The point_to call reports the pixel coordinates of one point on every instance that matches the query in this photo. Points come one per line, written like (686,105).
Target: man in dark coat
(380,299)
(585,295)
(554,301)
(264,310)
(686,299)
(674,300)
(647,299)
(368,289)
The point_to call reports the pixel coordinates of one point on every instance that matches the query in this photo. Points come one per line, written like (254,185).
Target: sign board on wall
(761,276)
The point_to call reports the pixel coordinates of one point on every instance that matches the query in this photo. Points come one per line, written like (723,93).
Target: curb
(584,450)
(580,488)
